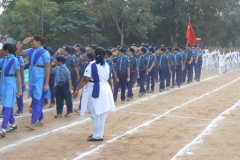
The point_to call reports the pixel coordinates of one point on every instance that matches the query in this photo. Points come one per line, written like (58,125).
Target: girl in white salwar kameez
(97,95)
(221,68)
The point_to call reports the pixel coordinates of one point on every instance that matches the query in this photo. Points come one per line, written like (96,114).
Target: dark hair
(132,50)
(90,55)
(4,38)
(181,47)
(9,47)
(99,55)
(41,40)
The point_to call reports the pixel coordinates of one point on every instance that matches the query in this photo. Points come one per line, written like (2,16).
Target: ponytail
(99,55)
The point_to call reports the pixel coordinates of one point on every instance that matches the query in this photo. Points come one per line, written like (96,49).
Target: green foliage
(79,23)
(112,22)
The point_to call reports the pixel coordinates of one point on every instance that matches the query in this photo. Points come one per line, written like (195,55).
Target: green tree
(25,18)
(78,23)
(131,18)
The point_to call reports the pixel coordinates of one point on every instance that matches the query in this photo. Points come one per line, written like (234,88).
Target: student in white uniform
(97,97)
(226,61)
(221,63)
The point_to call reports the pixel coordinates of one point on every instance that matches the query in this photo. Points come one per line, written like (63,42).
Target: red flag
(190,34)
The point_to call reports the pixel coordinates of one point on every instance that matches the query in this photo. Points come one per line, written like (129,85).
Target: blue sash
(96,86)
(32,63)
(36,57)
(7,69)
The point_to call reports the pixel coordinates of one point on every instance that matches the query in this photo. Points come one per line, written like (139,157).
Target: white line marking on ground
(20,142)
(150,121)
(205,132)
(189,118)
(121,107)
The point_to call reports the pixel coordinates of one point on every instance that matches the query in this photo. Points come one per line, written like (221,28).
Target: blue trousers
(123,83)
(190,72)
(151,76)
(178,74)
(130,84)
(173,75)
(7,117)
(74,80)
(62,92)
(51,86)
(163,75)
(20,103)
(199,68)
(37,106)
(169,76)
(195,65)
(142,80)
(184,73)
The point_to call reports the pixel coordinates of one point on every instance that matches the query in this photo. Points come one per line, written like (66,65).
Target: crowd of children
(60,73)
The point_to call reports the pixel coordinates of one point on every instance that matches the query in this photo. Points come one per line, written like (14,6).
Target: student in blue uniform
(110,62)
(151,65)
(20,104)
(184,69)
(71,64)
(189,63)
(52,77)
(75,74)
(11,86)
(157,54)
(163,67)
(179,63)
(39,73)
(123,74)
(200,53)
(195,61)
(63,87)
(133,73)
(142,67)
(172,66)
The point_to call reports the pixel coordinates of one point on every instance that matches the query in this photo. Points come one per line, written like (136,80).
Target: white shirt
(1,45)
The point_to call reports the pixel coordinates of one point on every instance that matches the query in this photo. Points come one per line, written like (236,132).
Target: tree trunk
(122,38)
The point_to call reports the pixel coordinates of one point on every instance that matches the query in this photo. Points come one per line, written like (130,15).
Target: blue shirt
(83,64)
(189,55)
(110,62)
(8,89)
(64,74)
(200,54)
(133,63)
(170,59)
(178,58)
(136,55)
(163,60)
(142,62)
(150,59)
(70,63)
(183,55)
(194,54)
(20,61)
(45,58)
(125,64)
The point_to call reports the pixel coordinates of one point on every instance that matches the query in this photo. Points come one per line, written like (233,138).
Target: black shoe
(93,139)
(11,129)
(2,134)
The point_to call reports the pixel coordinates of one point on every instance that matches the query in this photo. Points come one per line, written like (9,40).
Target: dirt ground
(174,124)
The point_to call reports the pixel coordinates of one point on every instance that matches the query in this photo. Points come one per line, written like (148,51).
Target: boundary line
(206,131)
(150,121)
(19,142)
